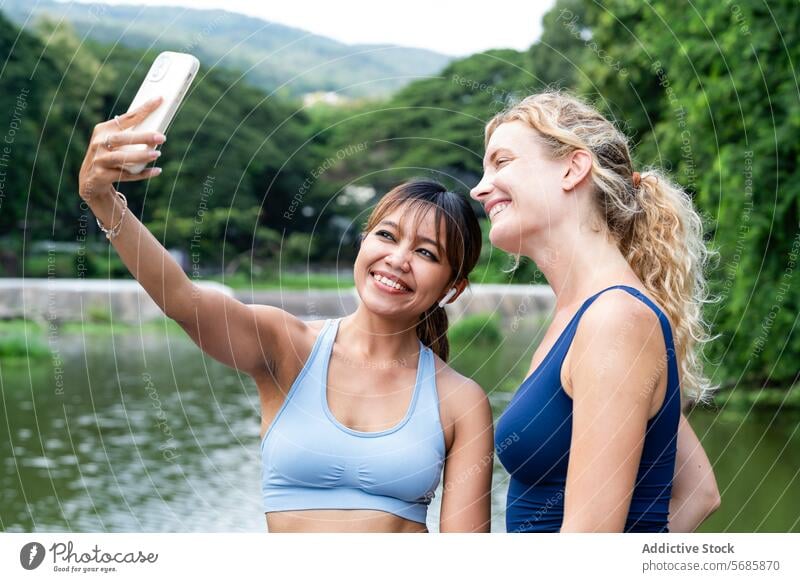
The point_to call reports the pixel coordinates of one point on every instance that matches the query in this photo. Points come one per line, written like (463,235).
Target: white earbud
(447,297)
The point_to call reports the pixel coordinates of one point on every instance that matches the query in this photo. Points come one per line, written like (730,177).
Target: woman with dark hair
(598,425)
(361,414)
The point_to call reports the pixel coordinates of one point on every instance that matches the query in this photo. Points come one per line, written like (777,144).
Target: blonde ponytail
(665,248)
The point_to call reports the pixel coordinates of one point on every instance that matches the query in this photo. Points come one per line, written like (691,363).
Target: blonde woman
(594,435)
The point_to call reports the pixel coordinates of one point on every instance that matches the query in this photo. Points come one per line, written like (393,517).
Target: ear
(578,165)
(459,286)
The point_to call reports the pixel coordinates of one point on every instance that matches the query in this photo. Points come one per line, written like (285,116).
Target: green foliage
(99,314)
(482,329)
(102,325)
(496,266)
(84,264)
(21,339)
(432,126)
(298,248)
(722,112)
(36,135)
(286,280)
(55,265)
(746,401)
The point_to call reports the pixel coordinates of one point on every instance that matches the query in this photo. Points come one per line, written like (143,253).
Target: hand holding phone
(170,76)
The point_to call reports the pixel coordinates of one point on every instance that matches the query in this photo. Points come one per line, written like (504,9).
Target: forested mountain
(272,56)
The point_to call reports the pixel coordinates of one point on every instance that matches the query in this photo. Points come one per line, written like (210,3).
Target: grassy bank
(744,399)
(25,339)
(287,281)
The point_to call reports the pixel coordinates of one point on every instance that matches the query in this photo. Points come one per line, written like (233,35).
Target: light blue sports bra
(312,461)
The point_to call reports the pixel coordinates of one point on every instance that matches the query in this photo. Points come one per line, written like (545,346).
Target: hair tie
(636,178)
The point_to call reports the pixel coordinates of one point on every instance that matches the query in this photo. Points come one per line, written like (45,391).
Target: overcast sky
(446,26)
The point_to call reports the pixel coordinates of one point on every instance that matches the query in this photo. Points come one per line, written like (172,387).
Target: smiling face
(521,186)
(400,270)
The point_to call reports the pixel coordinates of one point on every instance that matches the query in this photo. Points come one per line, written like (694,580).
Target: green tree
(712,95)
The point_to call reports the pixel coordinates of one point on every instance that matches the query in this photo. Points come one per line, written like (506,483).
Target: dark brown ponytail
(432,331)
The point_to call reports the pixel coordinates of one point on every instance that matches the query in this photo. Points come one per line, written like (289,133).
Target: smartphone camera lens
(159,68)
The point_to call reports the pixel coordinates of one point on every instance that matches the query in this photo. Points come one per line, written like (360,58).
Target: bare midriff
(340,521)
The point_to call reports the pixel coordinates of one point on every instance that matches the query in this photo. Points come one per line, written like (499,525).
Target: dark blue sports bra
(532,441)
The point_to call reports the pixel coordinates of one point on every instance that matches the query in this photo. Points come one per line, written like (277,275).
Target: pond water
(140,431)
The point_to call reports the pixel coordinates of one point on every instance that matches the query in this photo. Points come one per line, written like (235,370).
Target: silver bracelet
(114,231)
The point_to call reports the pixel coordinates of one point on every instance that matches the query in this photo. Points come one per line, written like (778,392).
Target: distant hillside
(272,56)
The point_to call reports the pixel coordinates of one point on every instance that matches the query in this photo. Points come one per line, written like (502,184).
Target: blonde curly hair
(652,219)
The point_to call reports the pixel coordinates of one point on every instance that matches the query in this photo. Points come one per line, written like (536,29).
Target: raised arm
(610,380)
(236,334)
(695,495)
(466,491)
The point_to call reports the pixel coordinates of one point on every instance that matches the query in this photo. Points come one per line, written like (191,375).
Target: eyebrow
(422,238)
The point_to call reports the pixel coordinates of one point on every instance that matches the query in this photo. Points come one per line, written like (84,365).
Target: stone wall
(127,301)
(61,300)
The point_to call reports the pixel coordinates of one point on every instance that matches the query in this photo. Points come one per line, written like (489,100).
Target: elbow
(707,501)
(713,500)
(711,495)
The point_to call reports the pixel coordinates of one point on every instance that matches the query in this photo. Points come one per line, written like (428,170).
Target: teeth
(389,282)
(497,208)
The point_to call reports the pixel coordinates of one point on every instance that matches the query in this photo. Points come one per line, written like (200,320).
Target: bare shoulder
(458,394)
(618,338)
(618,317)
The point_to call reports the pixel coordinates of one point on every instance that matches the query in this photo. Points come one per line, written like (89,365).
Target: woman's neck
(377,338)
(578,262)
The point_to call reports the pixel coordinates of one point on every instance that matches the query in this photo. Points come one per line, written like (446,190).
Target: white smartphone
(170,76)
